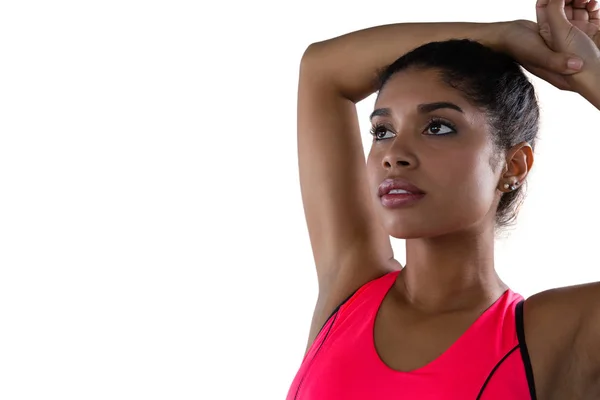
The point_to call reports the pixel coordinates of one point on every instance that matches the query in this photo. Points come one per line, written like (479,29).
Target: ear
(519,161)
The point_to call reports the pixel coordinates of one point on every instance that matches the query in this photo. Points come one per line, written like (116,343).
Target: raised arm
(349,244)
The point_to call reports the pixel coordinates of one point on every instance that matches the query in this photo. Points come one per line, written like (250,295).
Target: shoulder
(562,327)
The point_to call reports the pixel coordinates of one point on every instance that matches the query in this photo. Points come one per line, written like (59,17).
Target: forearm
(351,62)
(590,89)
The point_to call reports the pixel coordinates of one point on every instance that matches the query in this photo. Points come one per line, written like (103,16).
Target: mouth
(398,186)
(397,200)
(396,193)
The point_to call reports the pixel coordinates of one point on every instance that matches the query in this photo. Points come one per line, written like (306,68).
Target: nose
(389,161)
(398,158)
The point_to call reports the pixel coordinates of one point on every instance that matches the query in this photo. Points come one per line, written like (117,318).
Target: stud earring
(511,186)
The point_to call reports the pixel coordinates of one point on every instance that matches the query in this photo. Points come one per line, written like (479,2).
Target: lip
(400,200)
(398,183)
(397,200)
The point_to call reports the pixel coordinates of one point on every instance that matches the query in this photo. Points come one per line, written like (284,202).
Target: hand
(522,41)
(572,26)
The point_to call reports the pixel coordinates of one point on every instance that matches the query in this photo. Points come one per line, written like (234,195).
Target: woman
(454,130)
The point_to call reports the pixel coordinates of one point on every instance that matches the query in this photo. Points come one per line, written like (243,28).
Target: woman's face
(449,159)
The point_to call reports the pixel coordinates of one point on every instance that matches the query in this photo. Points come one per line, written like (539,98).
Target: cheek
(486,177)
(468,184)
(479,186)
(372,155)
(373,169)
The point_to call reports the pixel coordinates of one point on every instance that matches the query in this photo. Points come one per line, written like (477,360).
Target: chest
(407,341)
(381,350)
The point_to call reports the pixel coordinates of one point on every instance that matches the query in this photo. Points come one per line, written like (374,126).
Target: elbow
(310,54)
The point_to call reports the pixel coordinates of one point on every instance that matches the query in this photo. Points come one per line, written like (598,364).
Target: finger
(541,12)
(560,63)
(557,62)
(580,15)
(580,3)
(545,33)
(593,8)
(554,79)
(559,24)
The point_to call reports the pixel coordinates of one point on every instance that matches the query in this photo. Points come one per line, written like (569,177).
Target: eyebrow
(421,108)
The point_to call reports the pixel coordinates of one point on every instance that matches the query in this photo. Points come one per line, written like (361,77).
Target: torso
(407,340)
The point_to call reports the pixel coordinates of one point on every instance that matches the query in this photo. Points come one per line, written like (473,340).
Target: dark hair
(491,81)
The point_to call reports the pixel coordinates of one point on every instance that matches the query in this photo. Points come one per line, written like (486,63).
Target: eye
(436,124)
(380,132)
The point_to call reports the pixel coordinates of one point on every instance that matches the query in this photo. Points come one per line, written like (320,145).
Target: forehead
(407,89)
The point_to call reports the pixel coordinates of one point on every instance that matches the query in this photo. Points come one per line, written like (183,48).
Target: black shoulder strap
(523,347)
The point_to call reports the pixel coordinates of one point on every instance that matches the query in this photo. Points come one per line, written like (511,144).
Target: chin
(413,229)
(403,230)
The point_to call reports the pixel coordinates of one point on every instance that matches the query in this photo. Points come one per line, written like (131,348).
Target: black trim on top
(523,347)
(494,370)
(336,310)
(315,356)
(334,313)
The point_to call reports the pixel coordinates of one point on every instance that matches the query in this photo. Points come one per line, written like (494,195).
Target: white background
(152,237)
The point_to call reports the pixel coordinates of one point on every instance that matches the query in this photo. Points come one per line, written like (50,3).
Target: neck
(453,272)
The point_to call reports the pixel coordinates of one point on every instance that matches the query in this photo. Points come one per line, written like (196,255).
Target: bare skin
(450,253)
(450,278)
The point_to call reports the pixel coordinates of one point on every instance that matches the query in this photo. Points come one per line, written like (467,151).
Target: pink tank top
(488,362)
